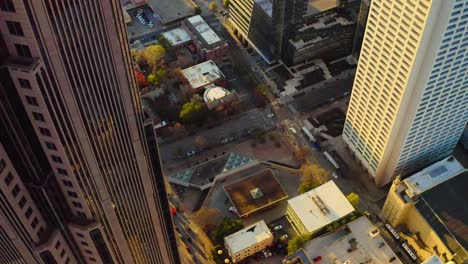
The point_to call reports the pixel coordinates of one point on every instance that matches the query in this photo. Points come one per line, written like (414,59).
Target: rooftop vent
(256,193)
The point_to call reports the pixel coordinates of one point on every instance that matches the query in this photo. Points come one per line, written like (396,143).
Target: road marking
(232,80)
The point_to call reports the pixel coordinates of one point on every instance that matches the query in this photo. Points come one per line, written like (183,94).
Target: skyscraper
(409,102)
(80,175)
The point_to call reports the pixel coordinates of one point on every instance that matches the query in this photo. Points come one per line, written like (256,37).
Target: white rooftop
(247,237)
(177,36)
(333,247)
(433,260)
(202,74)
(204,29)
(433,175)
(214,92)
(321,206)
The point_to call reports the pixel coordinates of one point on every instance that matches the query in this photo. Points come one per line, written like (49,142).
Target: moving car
(277,227)
(190,153)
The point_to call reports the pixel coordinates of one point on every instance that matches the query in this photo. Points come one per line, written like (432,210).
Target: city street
(256,118)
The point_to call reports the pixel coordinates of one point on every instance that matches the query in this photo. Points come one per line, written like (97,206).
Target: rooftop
(321,206)
(213,93)
(298,257)
(205,172)
(433,260)
(204,30)
(177,36)
(432,176)
(266,5)
(352,243)
(202,74)
(247,237)
(255,192)
(445,208)
(317,6)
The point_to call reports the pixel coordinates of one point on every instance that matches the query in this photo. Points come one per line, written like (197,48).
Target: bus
(308,135)
(332,161)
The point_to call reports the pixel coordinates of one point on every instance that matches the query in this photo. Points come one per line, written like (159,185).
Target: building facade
(79,182)
(430,207)
(408,105)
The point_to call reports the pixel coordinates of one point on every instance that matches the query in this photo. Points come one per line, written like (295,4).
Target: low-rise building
(357,242)
(209,45)
(214,96)
(312,211)
(203,74)
(429,209)
(177,37)
(248,241)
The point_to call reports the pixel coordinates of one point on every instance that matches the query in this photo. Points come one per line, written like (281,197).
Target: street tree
(200,142)
(306,186)
(192,111)
(164,43)
(154,55)
(197,10)
(262,89)
(224,229)
(156,76)
(206,216)
(312,173)
(353,199)
(213,6)
(296,243)
(141,79)
(226,3)
(301,154)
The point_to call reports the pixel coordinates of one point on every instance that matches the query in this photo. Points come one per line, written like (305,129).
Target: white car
(265,254)
(277,227)
(190,153)
(271,115)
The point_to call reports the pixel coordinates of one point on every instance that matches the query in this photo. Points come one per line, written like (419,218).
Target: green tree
(153,55)
(312,173)
(192,111)
(197,10)
(213,6)
(156,77)
(297,242)
(353,199)
(226,3)
(164,43)
(306,186)
(224,229)
(206,216)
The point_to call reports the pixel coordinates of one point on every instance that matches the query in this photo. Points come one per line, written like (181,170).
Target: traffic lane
(254,119)
(320,96)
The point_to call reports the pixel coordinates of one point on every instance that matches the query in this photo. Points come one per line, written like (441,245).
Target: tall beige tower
(409,102)
(79,182)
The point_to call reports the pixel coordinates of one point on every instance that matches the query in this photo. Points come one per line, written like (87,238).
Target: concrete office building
(408,105)
(80,184)
(430,210)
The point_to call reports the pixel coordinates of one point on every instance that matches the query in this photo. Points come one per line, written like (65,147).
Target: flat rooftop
(321,206)
(433,260)
(432,176)
(204,30)
(266,5)
(298,257)
(317,6)
(171,10)
(333,247)
(177,36)
(205,173)
(202,74)
(255,192)
(247,237)
(445,208)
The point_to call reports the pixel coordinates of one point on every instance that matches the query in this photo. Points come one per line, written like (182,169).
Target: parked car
(173,210)
(277,227)
(265,254)
(271,115)
(284,237)
(190,153)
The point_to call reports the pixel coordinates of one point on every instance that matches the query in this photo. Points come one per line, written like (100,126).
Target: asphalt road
(256,118)
(320,96)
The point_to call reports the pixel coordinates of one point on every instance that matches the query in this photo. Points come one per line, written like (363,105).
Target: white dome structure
(214,93)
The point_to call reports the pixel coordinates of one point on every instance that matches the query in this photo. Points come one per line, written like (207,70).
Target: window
(15,190)
(31,100)
(24,83)
(38,117)
(34,222)
(22,202)
(57,245)
(77,205)
(62,253)
(15,28)
(56,159)
(44,131)
(23,50)
(7,5)
(62,171)
(73,194)
(28,213)
(67,261)
(80,235)
(51,146)
(67,183)
(2,165)
(84,243)
(39,233)
(8,179)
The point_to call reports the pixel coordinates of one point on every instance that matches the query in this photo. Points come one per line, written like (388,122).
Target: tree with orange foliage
(141,79)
